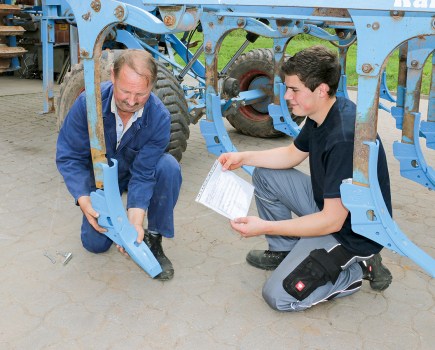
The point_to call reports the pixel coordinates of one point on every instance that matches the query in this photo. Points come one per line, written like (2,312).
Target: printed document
(226,193)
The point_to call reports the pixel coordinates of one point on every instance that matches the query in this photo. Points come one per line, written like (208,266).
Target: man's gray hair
(140,61)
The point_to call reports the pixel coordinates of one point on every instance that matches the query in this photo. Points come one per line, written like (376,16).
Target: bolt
(220,19)
(67,256)
(208,47)
(397,14)
(119,13)
(433,24)
(87,16)
(240,22)
(84,53)
(306,29)
(414,63)
(284,30)
(367,68)
(169,20)
(375,26)
(96,5)
(278,48)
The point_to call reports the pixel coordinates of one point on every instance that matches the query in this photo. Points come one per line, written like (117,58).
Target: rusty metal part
(208,47)
(408,123)
(397,14)
(119,13)
(87,16)
(367,68)
(84,53)
(96,5)
(365,130)
(319,11)
(403,69)
(169,20)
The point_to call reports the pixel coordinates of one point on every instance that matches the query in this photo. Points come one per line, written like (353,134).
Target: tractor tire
(253,70)
(166,88)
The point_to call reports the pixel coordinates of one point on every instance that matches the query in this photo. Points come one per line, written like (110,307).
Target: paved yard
(214,302)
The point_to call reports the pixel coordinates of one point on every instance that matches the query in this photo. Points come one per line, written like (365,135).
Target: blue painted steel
(427,130)
(181,50)
(112,217)
(412,163)
(126,38)
(213,130)
(397,113)
(370,216)
(384,93)
(215,134)
(47,39)
(405,5)
(431,104)
(282,119)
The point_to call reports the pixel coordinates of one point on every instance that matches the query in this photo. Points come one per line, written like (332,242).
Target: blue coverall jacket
(141,148)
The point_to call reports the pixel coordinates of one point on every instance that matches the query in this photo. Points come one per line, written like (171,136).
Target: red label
(299,286)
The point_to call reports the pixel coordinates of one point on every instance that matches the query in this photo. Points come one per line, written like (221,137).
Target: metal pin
(66,255)
(52,259)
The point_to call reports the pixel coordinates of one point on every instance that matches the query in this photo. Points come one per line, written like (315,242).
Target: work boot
(265,259)
(154,242)
(376,272)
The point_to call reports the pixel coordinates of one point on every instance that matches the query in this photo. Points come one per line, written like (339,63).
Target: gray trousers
(278,194)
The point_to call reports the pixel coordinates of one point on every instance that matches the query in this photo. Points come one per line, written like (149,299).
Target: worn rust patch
(365,130)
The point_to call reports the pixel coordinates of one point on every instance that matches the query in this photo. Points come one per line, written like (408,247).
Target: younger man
(316,256)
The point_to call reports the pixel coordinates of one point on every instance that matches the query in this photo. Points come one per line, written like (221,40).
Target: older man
(137,133)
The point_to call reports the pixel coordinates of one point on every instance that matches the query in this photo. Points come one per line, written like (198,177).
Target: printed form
(226,193)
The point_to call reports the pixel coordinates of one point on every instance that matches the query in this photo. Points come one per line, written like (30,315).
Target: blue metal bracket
(412,163)
(427,130)
(370,217)
(384,93)
(397,113)
(214,132)
(112,217)
(282,119)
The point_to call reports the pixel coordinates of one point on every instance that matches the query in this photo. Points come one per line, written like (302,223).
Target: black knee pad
(314,271)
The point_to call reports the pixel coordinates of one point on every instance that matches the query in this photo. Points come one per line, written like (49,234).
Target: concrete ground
(214,302)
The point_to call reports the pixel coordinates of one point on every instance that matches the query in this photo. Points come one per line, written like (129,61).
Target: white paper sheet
(226,193)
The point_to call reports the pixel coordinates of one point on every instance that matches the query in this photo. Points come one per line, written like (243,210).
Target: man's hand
(231,161)
(249,226)
(136,217)
(92,216)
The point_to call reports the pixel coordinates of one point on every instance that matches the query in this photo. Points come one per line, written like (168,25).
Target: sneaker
(154,242)
(265,259)
(376,272)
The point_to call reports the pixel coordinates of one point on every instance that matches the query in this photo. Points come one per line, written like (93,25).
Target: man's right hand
(92,216)
(231,161)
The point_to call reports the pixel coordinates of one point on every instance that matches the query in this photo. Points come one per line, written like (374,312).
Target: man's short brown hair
(313,66)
